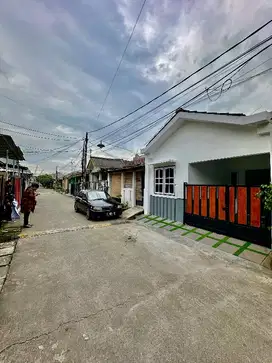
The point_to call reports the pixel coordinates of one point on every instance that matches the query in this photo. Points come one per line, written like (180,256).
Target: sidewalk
(246,250)
(9,234)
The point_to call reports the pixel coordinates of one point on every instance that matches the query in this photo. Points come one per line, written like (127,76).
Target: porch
(245,170)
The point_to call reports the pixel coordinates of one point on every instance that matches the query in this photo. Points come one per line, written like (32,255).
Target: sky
(58,57)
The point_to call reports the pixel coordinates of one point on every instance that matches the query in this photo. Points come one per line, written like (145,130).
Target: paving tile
(158,225)
(208,241)
(160,219)
(168,228)
(6,251)
(193,236)
(202,231)
(217,236)
(252,256)
(188,227)
(267,262)
(228,248)
(3,271)
(259,248)
(7,244)
(236,241)
(5,260)
(178,224)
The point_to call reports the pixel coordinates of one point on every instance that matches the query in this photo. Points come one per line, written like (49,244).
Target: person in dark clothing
(29,203)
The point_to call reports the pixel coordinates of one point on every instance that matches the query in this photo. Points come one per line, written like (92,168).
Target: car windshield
(96,194)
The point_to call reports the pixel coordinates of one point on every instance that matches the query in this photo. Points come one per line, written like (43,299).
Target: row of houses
(201,168)
(123,179)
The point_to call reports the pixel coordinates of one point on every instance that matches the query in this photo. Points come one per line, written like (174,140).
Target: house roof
(7,143)
(181,115)
(137,162)
(104,163)
(22,168)
(72,174)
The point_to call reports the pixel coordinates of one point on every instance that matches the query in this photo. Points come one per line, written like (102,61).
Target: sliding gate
(235,211)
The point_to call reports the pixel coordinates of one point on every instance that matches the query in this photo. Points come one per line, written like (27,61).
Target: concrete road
(124,294)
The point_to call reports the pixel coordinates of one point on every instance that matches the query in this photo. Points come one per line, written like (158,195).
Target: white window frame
(162,181)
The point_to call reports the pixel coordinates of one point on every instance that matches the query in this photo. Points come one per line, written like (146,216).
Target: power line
(41,132)
(186,78)
(26,128)
(236,84)
(216,72)
(155,122)
(121,60)
(236,69)
(60,151)
(32,135)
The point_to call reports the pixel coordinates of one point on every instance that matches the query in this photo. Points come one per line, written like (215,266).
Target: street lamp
(100,145)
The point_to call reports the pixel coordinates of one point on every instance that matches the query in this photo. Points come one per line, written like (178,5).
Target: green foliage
(46,180)
(125,206)
(266,195)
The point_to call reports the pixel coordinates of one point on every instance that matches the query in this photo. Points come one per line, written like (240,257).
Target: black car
(97,204)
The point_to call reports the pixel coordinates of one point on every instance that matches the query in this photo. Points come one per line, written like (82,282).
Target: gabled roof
(222,118)
(14,152)
(73,174)
(104,163)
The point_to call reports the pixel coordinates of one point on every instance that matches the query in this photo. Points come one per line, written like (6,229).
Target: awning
(14,152)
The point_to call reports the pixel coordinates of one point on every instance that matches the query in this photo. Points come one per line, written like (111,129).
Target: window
(96,195)
(165,180)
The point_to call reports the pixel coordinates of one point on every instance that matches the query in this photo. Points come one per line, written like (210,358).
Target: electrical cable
(121,60)
(196,83)
(236,84)
(30,135)
(143,129)
(186,78)
(30,129)
(41,132)
(60,151)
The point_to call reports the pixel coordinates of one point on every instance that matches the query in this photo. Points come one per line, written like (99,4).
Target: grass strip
(203,236)
(242,249)
(259,252)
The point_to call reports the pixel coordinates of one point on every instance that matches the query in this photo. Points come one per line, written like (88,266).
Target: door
(257,177)
(127,193)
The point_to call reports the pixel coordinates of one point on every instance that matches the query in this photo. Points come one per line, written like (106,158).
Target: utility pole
(84,161)
(56,174)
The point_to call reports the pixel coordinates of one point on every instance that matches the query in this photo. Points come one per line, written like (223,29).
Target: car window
(84,196)
(97,194)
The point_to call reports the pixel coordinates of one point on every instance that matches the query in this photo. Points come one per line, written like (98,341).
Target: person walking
(29,203)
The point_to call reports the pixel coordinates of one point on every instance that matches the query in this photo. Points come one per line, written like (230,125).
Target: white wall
(219,171)
(195,142)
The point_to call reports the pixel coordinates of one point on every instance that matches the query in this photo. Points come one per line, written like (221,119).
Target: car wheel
(76,208)
(88,215)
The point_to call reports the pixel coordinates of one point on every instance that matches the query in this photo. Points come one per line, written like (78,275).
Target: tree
(46,180)
(266,195)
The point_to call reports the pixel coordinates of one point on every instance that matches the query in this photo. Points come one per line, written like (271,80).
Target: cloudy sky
(58,57)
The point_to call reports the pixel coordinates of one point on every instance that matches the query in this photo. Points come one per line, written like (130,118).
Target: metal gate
(235,211)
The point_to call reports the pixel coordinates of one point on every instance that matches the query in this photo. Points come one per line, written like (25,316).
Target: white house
(205,149)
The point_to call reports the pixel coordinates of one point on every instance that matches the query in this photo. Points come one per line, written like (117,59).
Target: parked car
(97,204)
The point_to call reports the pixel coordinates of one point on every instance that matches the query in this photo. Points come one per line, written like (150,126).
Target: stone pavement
(124,293)
(249,251)
(6,253)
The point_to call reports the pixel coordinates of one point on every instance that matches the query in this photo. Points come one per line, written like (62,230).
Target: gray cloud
(57,59)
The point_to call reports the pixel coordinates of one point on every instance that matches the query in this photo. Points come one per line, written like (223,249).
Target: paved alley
(123,293)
